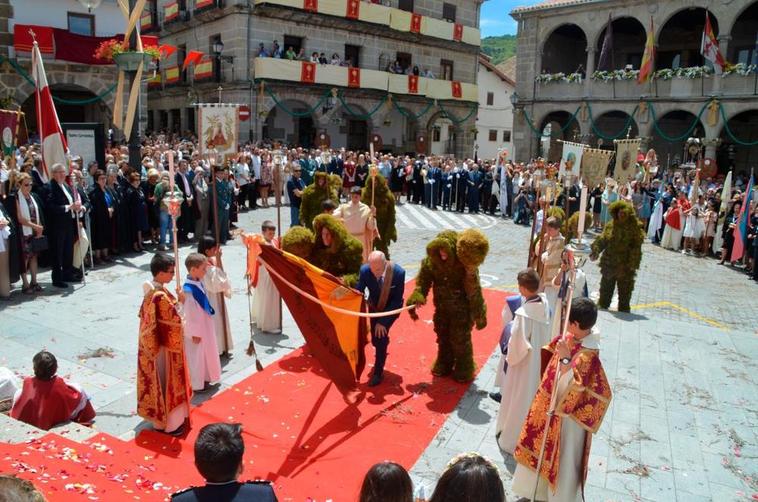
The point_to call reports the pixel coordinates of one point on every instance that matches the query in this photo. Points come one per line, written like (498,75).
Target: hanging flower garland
(618,75)
(547,78)
(741,69)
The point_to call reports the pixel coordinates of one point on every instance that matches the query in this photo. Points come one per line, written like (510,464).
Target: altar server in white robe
(530,331)
(219,288)
(266,300)
(200,344)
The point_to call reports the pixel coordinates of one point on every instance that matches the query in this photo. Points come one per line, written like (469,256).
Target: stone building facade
(494,121)
(566,37)
(347,115)
(74,85)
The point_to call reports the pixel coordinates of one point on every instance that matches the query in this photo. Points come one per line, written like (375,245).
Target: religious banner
(457,32)
(310,5)
(626,160)
(415,23)
(307,72)
(354,77)
(219,128)
(9,122)
(353,9)
(571,159)
(595,166)
(456,89)
(413,84)
(323,308)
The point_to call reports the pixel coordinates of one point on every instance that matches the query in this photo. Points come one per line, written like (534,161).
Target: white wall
(498,116)
(108,18)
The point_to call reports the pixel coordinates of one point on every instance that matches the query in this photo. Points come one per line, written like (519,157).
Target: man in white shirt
(242,176)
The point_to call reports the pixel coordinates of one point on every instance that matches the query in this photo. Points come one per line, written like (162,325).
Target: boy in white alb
(530,331)
(200,343)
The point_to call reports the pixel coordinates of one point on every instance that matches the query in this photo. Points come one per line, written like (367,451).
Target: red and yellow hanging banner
(204,69)
(146,21)
(154,81)
(171,11)
(201,4)
(172,74)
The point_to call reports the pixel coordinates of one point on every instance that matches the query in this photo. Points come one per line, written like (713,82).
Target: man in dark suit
(61,213)
(186,221)
(385,282)
(218,457)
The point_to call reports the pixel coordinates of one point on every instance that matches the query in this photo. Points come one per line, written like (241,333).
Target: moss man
(451,271)
(384,202)
(621,247)
(324,187)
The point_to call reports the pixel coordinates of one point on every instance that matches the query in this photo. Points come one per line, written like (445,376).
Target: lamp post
(90,4)
(218,48)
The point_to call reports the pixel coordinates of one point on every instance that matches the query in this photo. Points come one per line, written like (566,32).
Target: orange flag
(192,57)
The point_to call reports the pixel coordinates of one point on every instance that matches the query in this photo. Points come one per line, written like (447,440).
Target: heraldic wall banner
(219,128)
(571,158)
(626,160)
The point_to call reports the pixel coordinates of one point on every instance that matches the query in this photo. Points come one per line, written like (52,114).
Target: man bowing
(385,282)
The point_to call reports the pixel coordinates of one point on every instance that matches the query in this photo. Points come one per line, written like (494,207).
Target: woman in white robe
(531,330)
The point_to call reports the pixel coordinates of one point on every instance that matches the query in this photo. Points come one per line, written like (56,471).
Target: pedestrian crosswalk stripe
(459,222)
(471,219)
(404,219)
(439,217)
(420,217)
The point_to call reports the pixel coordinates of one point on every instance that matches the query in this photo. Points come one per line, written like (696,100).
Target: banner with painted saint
(571,159)
(219,128)
(595,166)
(626,160)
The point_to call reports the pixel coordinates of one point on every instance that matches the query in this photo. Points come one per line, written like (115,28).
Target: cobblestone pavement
(682,425)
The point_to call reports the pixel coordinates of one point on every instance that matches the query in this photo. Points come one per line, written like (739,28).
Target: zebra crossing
(416,217)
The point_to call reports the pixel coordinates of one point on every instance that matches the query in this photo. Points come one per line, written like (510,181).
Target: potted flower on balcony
(113,50)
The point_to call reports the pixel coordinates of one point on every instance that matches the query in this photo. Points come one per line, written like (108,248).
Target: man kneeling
(46,400)
(219,449)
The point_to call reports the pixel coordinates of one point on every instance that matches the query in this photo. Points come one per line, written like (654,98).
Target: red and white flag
(709,47)
(51,137)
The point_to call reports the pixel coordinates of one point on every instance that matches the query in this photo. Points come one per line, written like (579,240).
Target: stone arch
(281,126)
(443,135)
(674,123)
(678,38)
(743,32)
(733,155)
(564,49)
(612,124)
(629,37)
(99,111)
(555,126)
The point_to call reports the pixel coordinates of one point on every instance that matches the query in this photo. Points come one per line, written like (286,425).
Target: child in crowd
(199,331)
(219,288)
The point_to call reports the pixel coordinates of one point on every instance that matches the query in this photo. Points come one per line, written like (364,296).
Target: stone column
(724,47)
(590,66)
(711,145)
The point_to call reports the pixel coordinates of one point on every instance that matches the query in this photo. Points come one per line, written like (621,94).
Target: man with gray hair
(385,282)
(61,209)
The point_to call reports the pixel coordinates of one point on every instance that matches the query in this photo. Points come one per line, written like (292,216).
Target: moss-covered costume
(458,300)
(315,193)
(621,247)
(343,258)
(384,202)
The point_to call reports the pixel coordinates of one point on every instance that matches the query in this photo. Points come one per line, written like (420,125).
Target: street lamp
(218,48)
(90,4)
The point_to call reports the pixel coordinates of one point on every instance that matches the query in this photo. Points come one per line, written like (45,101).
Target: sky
(495,19)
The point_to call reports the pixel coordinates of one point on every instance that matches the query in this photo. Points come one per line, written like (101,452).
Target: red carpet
(299,432)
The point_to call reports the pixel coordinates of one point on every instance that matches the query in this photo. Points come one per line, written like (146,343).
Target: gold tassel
(583,112)
(713,113)
(642,109)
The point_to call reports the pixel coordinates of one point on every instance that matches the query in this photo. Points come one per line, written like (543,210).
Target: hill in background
(499,48)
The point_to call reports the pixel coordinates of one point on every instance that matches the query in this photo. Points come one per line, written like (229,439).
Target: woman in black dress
(397,178)
(137,211)
(730,223)
(102,214)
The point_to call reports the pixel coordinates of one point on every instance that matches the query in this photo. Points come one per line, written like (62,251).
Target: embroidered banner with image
(571,159)
(626,160)
(595,166)
(219,128)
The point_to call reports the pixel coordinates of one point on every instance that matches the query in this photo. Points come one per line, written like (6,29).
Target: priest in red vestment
(163,393)
(46,400)
(577,406)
